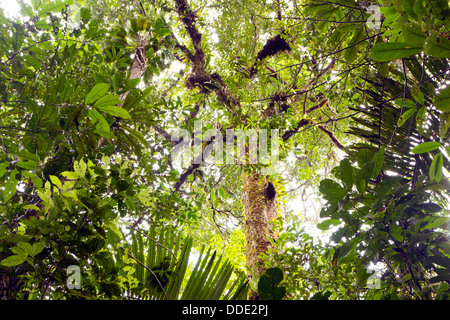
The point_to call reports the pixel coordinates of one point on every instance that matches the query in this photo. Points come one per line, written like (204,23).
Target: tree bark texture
(259,200)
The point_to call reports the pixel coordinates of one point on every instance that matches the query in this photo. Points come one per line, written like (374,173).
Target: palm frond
(162,262)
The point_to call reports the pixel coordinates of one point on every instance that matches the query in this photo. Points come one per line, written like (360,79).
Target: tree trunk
(259,200)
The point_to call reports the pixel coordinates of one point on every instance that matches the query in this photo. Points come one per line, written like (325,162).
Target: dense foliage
(358,93)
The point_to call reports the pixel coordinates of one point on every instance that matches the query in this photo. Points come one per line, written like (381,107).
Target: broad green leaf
(387,51)
(55,180)
(145,197)
(13,260)
(435,171)
(442,100)
(418,8)
(52,6)
(405,116)
(17,36)
(332,190)
(438,222)
(10,186)
(108,100)
(31,206)
(444,124)
(346,174)
(3,166)
(417,94)
(405,104)
(437,46)
(378,163)
(36,249)
(440,9)
(426,147)
(19,250)
(396,232)
(413,34)
(102,126)
(26,247)
(115,111)
(71,175)
(408,6)
(80,167)
(325,225)
(213,197)
(327,211)
(420,119)
(98,91)
(222,193)
(135,134)
(407,277)
(27,164)
(268,285)
(363,176)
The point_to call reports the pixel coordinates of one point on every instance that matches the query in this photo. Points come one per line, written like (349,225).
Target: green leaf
(222,193)
(322,295)
(418,8)
(55,181)
(332,190)
(405,116)
(346,174)
(36,249)
(387,51)
(122,185)
(329,209)
(98,91)
(378,163)
(10,186)
(213,197)
(420,119)
(440,10)
(13,260)
(116,111)
(3,166)
(31,206)
(52,6)
(396,232)
(435,171)
(437,46)
(408,6)
(363,176)
(438,222)
(413,34)
(70,175)
(417,94)
(442,100)
(17,36)
(267,285)
(426,147)
(28,164)
(102,126)
(108,100)
(325,225)
(444,124)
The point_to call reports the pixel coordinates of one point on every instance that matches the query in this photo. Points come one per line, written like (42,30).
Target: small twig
(159,244)
(143,265)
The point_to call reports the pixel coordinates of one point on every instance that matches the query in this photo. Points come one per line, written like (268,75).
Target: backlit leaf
(387,51)
(426,147)
(98,91)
